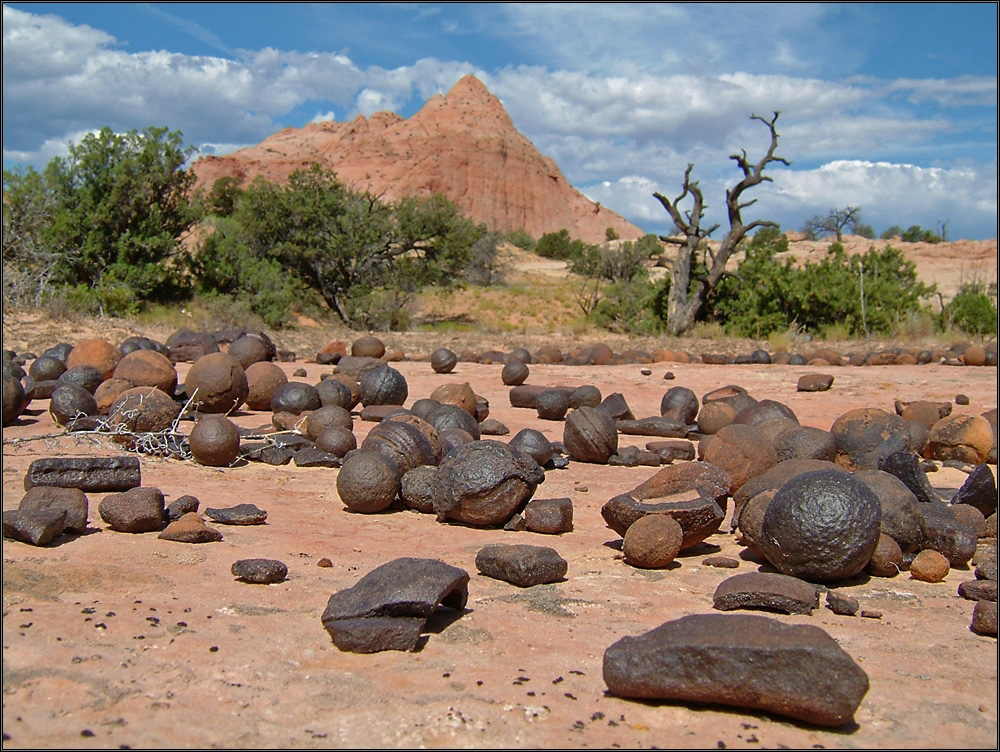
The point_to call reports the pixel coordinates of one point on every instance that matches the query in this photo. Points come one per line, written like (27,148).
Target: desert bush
(863,293)
(521,238)
(108,216)
(559,246)
(973,309)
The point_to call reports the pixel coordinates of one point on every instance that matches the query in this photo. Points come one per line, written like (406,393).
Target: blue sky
(888,106)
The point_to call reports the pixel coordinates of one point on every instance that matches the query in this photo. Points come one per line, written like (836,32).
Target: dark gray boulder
(241,514)
(388,607)
(901,513)
(698,516)
(86,473)
(741,660)
(521,564)
(259,571)
(552,516)
(906,467)
(821,526)
(979,490)
(72,501)
(38,527)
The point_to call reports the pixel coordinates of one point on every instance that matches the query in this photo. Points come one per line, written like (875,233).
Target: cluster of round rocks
(817,506)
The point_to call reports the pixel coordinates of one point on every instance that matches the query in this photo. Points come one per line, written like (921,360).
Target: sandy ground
(112,639)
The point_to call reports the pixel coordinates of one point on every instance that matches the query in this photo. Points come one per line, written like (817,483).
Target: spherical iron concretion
(368,481)
(383,386)
(217,383)
(821,526)
(215,441)
(263,380)
(295,397)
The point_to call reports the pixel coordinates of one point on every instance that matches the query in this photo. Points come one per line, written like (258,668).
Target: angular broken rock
(706,479)
(906,467)
(259,571)
(841,603)
(742,660)
(551,516)
(388,607)
(86,473)
(698,516)
(768,590)
(190,528)
(241,514)
(138,510)
(814,382)
(522,565)
(37,527)
(979,491)
(72,501)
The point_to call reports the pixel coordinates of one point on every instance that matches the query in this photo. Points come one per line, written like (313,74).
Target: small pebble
(300,373)
(722,562)
(841,604)
(646,371)
(871,614)
(669,376)
(961,399)
(324,562)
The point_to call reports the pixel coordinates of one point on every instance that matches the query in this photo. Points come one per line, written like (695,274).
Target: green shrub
(521,238)
(559,246)
(972,310)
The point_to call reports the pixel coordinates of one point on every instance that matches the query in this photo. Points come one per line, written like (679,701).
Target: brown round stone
(98,353)
(929,566)
(368,481)
(653,541)
(263,380)
(143,409)
(887,561)
(742,451)
(108,391)
(974,356)
(249,350)
(217,383)
(514,373)
(460,395)
(714,416)
(443,360)
(215,441)
(148,368)
(371,347)
(336,440)
(971,517)
(967,438)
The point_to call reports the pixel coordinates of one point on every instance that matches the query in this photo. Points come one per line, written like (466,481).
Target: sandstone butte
(462,145)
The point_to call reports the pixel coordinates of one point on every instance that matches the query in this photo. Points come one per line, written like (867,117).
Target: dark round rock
(249,350)
(83,376)
(821,526)
(46,368)
(552,404)
(534,444)
(680,403)
(131,344)
(449,417)
(443,360)
(585,396)
(295,397)
(424,406)
(215,441)
(417,488)
(69,402)
(336,440)
(514,373)
(887,560)
(13,398)
(142,409)
(337,393)
(383,386)
(805,442)
(260,571)
(368,481)
(60,351)
(403,443)
(590,435)
(325,417)
(764,410)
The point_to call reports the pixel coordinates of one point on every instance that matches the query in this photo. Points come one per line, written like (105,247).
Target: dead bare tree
(688,290)
(834,223)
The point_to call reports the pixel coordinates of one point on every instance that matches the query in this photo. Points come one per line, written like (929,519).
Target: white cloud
(324,117)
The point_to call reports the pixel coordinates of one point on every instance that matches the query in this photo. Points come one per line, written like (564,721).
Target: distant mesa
(462,145)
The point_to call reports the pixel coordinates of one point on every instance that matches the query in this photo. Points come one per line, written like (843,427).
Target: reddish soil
(112,639)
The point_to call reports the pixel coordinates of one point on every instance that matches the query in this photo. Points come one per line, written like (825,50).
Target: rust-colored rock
(460,395)
(741,450)
(215,441)
(148,368)
(263,380)
(220,383)
(98,353)
(929,566)
(967,438)
(653,541)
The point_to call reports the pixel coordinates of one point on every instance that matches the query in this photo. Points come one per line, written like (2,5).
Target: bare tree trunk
(688,295)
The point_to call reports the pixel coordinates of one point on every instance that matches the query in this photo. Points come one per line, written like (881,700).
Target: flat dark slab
(86,473)
(778,592)
(741,660)
(388,607)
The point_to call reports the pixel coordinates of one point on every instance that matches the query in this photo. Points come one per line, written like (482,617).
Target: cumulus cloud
(617,130)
